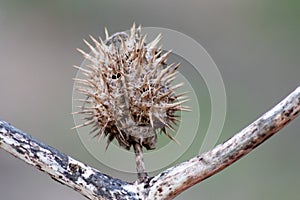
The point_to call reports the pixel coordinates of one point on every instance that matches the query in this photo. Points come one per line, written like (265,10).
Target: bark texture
(95,185)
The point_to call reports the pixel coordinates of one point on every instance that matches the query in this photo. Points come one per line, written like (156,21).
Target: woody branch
(166,185)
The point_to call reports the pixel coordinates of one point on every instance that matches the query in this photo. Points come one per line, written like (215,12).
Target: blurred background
(254,43)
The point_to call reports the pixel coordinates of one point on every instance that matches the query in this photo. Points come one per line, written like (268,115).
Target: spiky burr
(129,91)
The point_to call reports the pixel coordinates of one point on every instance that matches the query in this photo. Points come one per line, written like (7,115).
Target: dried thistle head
(128,89)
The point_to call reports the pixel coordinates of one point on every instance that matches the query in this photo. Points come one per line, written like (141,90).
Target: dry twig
(166,185)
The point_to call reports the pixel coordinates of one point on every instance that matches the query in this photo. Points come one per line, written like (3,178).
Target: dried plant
(129,91)
(129,97)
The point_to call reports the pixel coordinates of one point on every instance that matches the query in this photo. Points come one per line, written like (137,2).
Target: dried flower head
(128,89)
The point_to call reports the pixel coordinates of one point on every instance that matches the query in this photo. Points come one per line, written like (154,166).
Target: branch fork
(95,185)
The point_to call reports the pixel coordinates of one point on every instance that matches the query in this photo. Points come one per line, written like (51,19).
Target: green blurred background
(254,43)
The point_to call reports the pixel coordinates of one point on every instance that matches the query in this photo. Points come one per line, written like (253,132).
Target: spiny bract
(128,89)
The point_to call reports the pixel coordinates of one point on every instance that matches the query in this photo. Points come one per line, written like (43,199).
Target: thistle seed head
(128,89)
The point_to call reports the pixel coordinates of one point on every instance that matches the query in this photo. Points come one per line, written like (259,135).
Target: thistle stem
(140,166)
